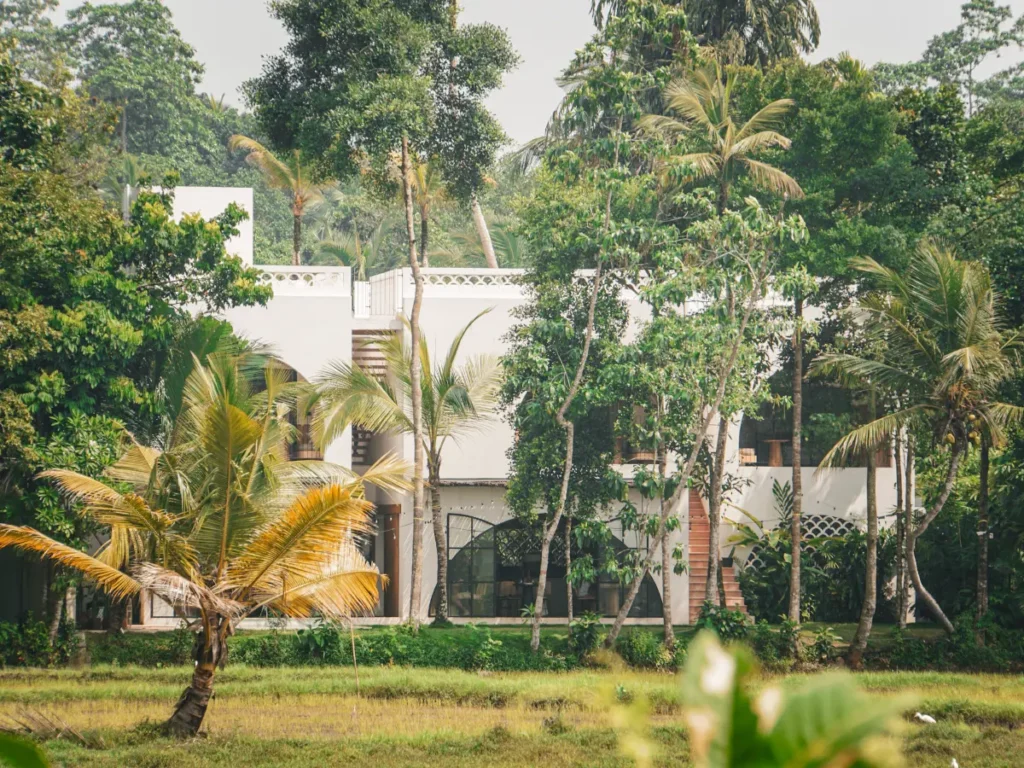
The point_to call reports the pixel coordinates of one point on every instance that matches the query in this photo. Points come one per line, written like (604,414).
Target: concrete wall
(209,202)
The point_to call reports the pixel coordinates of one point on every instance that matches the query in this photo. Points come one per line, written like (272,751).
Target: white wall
(209,202)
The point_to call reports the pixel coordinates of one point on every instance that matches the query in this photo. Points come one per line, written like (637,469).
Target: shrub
(727,624)
(27,644)
(586,635)
(272,650)
(145,650)
(823,648)
(642,649)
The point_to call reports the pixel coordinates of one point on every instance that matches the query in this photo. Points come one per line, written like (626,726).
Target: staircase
(700,537)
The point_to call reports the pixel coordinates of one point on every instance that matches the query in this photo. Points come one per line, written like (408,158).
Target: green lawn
(405,717)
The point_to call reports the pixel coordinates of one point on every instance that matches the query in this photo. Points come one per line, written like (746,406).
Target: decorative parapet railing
(308,281)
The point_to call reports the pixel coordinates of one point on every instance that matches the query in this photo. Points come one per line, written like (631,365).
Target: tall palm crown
(222,524)
(939,342)
(291,174)
(702,105)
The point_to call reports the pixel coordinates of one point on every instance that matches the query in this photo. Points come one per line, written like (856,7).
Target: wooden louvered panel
(368,356)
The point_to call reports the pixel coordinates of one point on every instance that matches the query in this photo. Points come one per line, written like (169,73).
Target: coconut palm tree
(457,400)
(939,340)
(291,174)
(352,251)
(221,523)
(428,190)
(702,107)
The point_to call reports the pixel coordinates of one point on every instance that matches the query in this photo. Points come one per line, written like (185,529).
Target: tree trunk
(914,534)
(415,375)
(484,234)
(55,599)
(191,707)
(441,542)
(908,525)
(901,530)
(717,475)
(568,572)
(296,239)
(424,236)
(867,609)
(668,630)
(983,529)
(798,480)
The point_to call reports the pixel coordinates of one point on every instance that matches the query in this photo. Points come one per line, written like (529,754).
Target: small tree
(221,523)
(457,400)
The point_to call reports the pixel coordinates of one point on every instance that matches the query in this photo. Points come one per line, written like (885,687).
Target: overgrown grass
(414,717)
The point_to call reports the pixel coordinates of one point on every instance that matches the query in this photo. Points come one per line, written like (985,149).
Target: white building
(319,315)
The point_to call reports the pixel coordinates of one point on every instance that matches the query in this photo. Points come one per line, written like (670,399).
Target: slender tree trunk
(296,239)
(913,535)
(717,473)
(908,525)
(568,571)
(415,375)
(191,707)
(682,491)
(867,609)
(126,193)
(441,542)
(983,529)
(55,598)
(901,530)
(424,236)
(484,234)
(798,480)
(666,550)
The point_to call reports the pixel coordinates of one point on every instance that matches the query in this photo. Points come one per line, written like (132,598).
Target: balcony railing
(308,281)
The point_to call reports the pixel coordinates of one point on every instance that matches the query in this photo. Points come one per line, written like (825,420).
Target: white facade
(311,321)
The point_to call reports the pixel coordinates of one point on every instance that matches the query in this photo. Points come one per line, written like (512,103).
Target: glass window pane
(483,565)
(460,599)
(483,599)
(459,566)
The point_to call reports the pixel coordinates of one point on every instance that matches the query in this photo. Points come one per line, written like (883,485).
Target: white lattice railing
(308,281)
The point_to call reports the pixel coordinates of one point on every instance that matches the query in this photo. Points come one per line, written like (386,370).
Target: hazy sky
(231,38)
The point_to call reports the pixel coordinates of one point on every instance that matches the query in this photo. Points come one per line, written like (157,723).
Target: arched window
(493,571)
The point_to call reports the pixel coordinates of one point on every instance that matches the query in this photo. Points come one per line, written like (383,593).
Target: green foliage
(157,649)
(585,635)
(824,721)
(27,644)
(21,753)
(727,624)
(775,645)
(641,648)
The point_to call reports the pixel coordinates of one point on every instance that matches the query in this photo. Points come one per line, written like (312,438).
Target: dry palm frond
(184,593)
(116,583)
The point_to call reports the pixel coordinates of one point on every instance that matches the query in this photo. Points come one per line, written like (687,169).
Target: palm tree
(703,106)
(220,523)
(457,400)
(292,175)
(352,251)
(428,190)
(939,341)
(702,103)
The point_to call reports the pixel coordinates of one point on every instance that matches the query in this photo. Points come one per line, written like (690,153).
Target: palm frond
(278,174)
(771,178)
(117,584)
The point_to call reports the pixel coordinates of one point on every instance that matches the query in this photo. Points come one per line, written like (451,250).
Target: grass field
(402,717)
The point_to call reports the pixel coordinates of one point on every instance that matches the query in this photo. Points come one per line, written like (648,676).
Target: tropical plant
(428,190)
(293,175)
(936,336)
(827,721)
(353,251)
(702,102)
(457,400)
(221,524)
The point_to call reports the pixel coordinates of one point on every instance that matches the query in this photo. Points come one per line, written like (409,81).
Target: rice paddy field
(416,717)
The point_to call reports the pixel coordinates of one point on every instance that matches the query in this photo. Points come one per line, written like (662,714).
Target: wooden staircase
(700,537)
